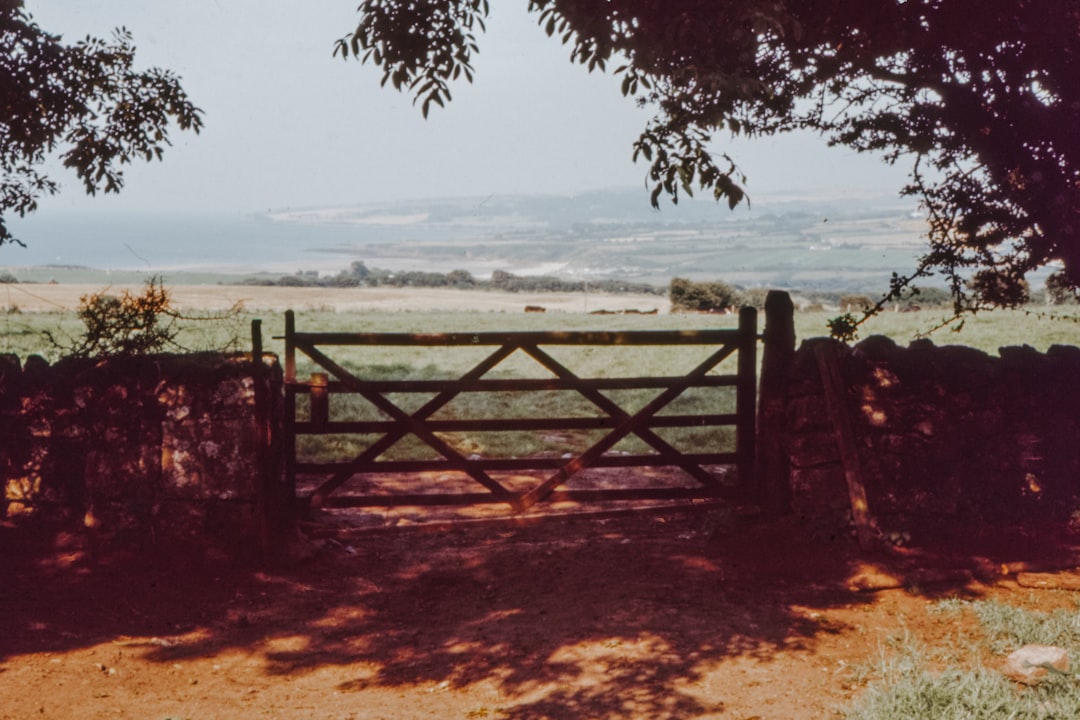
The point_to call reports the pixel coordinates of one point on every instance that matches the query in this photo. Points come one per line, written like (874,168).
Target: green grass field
(24,333)
(1037,326)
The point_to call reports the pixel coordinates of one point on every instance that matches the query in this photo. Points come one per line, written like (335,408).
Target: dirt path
(655,617)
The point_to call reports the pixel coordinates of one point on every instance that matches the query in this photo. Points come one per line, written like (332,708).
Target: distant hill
(798,240)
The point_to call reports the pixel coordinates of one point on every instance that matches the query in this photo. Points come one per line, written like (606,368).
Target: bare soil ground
(660,615)
(40,298)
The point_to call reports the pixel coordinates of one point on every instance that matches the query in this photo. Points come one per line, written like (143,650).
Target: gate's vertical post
(290,410)
(264,505)
(746,399)
(290,346)
(773,465)
(319,398)
(256,345)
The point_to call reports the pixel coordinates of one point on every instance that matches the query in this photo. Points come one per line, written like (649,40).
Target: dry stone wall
(156,447)
(941,432)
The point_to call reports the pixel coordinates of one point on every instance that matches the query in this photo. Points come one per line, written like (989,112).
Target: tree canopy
(982,97)
(81,101)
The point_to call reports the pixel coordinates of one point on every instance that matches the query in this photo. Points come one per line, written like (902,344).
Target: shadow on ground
(601,619)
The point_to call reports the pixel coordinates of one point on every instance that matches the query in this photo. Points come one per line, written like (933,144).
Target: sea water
(228,243)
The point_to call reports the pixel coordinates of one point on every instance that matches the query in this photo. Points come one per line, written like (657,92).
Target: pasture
(27,311)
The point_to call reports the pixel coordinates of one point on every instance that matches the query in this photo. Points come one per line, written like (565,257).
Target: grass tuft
(1008,627)
(908,681)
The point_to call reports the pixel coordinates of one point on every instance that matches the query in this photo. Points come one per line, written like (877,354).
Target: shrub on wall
(126,325)
(129,325)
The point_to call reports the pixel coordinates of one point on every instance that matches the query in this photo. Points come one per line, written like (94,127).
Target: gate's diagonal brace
(423,413)
(666,451)
(625,427)
(411,423)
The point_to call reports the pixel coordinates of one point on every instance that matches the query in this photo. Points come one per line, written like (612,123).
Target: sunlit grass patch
(950,682)
(977,694)
(1007,627)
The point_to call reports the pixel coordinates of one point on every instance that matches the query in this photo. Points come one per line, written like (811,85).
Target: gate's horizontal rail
(432,499)
(341,427)
(517,384)
(530,463)
(632,338)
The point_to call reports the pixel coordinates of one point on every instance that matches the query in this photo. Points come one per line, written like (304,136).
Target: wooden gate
(708,469)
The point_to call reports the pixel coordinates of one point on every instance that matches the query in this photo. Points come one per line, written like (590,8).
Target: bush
(688,296)
(131,325)
(1059,291)
(460,278)
(293,281)
(127,325)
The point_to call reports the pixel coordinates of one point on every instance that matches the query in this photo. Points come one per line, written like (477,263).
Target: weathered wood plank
(466,499)
(352,467)
(746,397)
(319,400)
(582,337)
(341,427)
(773,461)
(835,399)
(522,384)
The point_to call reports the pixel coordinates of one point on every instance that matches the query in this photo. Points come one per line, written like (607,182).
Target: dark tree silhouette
(81,101)
(980,96)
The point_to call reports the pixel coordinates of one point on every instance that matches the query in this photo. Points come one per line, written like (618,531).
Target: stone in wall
(209,447)
(119,428)
(44,458)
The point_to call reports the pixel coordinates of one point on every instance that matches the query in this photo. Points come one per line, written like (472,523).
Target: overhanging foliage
(981,97)
(82,101)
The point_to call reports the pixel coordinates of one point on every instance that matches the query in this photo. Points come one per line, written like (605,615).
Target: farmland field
(27,310)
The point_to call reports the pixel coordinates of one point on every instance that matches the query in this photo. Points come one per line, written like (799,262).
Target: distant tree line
(360,275)
(717,296)
(685,295)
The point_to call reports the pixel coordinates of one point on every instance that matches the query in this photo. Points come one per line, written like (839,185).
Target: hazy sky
(288,125)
